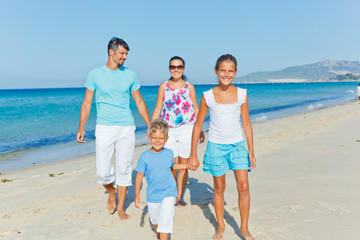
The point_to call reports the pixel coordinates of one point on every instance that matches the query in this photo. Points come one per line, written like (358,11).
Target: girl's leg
(181,182)
(219,189)
(242,182)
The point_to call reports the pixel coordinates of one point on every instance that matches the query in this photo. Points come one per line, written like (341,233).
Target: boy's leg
(166,217)
(124,147)
(164,236)
(153,209)
(219,189)
(242,182)
(105,141)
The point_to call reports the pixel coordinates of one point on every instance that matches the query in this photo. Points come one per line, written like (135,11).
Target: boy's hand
(137,201)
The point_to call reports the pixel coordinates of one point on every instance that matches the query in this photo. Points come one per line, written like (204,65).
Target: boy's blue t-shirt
(112,94)
(156,167)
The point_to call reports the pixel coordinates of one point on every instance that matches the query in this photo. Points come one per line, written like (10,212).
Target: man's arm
(84,114)
(141,106)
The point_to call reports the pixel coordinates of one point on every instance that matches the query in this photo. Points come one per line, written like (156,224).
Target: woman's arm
(193,162)
(159,101)
(248,131)
(196,109)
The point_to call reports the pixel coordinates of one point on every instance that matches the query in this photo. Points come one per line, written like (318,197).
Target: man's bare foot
(180,203)
(111,203)
(219,234)
(122,214)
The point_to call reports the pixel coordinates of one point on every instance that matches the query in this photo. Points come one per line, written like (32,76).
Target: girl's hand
(253,161)
(137,201)
(202,136)
(193,163)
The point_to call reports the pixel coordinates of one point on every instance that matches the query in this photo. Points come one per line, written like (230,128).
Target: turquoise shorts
(220,158)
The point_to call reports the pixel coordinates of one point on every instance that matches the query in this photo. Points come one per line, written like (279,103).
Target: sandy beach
(305,186)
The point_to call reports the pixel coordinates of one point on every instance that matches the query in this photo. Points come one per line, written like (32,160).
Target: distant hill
(321,70)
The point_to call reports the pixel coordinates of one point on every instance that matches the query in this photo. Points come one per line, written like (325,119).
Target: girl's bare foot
(246,234)
(180,203)
(111,203)
(219,234)
(122,214)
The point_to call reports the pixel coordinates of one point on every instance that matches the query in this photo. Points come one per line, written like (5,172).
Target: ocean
(40,125)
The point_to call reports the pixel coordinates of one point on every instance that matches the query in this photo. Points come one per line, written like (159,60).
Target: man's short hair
(159,124)
(115,43)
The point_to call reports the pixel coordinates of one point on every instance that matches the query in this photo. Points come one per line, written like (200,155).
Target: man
(115,127)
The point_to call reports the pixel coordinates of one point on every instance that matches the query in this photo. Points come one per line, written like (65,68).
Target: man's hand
(80,136)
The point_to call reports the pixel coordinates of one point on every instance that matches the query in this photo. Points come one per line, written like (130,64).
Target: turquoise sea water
(39,125)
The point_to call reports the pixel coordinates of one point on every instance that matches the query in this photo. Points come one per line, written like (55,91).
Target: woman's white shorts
(180,140)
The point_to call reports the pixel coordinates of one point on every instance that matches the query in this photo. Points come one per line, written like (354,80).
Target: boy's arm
(138,183)
(179,166)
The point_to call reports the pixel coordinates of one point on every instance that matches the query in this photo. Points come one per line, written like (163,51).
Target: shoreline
(88,148)
(302,188)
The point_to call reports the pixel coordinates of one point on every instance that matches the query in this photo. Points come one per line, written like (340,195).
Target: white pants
(180,140)
(162,214)
(122,140)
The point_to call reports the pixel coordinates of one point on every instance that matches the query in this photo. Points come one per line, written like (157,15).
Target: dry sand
(305,186)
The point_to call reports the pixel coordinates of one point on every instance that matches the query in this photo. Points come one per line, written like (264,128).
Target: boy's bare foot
(219,234)
(111,203)
(122,214)
(180,203)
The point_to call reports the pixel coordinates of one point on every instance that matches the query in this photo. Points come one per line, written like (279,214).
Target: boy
(156,164)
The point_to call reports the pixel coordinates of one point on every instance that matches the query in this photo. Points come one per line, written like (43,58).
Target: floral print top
(178,107)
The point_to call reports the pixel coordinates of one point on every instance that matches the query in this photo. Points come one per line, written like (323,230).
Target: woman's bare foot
(122,214)
(111,203)
(180,203)
(219,234)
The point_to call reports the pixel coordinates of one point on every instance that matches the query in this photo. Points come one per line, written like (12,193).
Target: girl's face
(226,72)
(176,69)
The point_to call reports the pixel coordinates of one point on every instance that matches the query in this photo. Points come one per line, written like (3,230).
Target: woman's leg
(182,178)
(219,189)
(242,182)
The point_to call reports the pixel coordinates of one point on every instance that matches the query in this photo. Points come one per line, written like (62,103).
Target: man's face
(119,56)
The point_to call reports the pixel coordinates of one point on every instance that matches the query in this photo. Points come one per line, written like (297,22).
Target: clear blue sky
(56,43)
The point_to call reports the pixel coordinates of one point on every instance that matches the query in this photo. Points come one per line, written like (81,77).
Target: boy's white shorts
(162,214)
(180,140)
(122,140)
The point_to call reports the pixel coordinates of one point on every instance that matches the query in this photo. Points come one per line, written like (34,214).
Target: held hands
(193,163)
(80,136)
(137,201)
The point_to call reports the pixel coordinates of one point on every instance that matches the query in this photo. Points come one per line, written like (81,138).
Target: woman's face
(176,69)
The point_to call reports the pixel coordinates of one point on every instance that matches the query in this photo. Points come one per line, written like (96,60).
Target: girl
(226,147)
(177,105)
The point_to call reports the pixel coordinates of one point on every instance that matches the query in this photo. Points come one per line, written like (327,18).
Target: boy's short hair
(159,124)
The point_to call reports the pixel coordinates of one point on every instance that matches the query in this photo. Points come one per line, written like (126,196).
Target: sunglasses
(172,67)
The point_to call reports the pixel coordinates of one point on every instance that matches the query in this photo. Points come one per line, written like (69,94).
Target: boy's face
(157,140)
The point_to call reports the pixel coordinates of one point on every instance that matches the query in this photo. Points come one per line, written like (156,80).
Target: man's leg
(124,146)
(104,150)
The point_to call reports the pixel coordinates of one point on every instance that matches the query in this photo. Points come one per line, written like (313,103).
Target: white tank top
(225,125)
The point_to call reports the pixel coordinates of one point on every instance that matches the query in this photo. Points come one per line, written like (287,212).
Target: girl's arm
(248,131)
(193,162)
(159,101)
(138,183)
(196,109)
